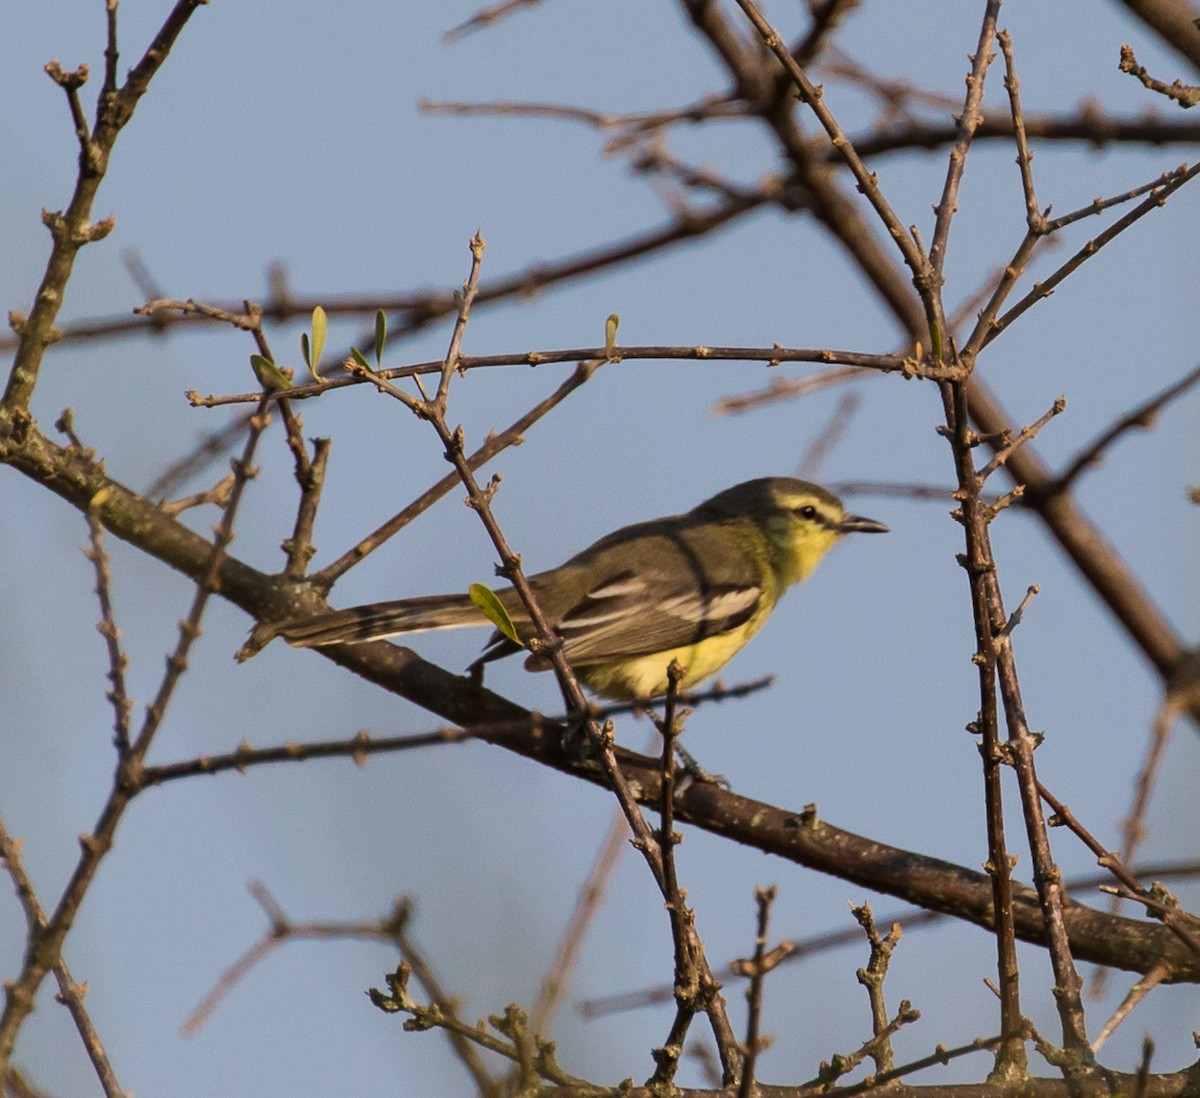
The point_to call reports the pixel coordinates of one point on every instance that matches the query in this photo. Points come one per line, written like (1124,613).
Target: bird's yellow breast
(641,677)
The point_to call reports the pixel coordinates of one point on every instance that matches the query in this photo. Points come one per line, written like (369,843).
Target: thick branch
(799,837)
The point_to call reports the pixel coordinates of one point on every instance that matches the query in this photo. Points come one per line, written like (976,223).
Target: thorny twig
(757,970)
(545,643)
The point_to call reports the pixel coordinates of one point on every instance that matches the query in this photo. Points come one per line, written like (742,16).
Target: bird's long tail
(381,619)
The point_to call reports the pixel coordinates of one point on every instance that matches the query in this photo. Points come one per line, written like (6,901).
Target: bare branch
(1186,95)
(1141,418)
(486,16)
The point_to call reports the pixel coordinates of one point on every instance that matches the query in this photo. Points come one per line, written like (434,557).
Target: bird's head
(802,521)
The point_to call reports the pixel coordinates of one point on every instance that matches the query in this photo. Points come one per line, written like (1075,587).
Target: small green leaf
(935,333)
(269,375)
(360,358)
(380,337)
(320,326)
(610,335)
(304,351)
(492,608)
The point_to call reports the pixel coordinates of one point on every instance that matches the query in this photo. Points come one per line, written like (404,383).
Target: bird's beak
(856,524)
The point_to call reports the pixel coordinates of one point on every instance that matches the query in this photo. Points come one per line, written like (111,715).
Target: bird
(693,587)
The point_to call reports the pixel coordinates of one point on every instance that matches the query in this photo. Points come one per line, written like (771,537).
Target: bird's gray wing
(644,590)
(635,614)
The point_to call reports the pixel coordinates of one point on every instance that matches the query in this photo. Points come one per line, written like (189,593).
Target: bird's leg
(695,771)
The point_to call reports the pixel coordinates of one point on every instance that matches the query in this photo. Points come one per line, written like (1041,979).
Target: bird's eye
(808,511)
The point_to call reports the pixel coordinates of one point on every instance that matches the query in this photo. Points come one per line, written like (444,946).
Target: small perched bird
(693,588)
